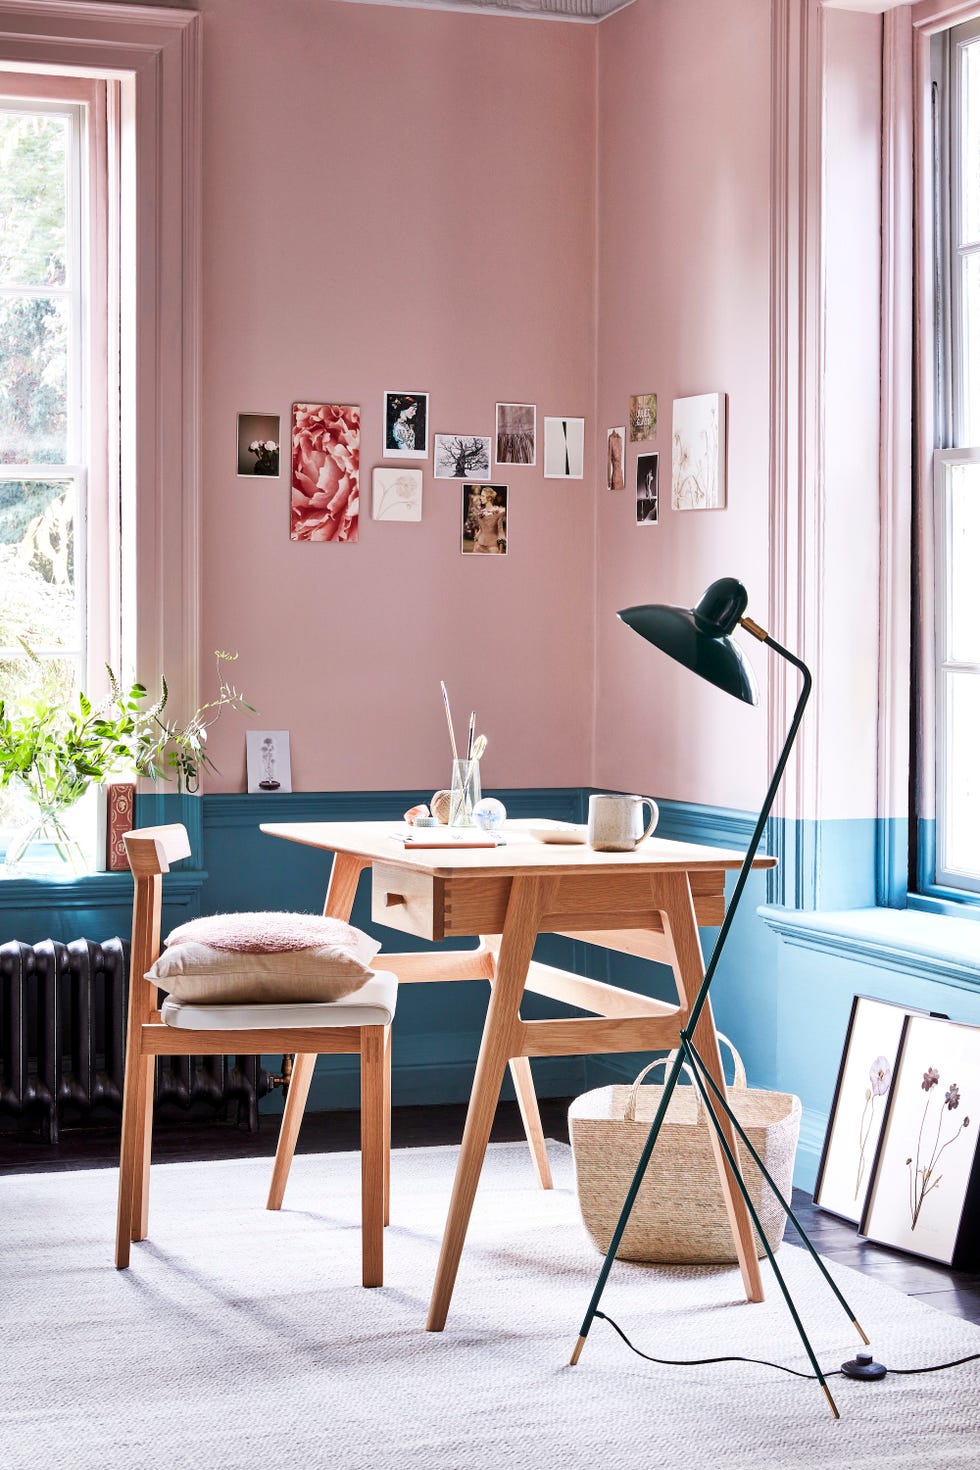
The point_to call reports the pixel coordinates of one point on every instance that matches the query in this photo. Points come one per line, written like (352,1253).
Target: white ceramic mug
(616,822)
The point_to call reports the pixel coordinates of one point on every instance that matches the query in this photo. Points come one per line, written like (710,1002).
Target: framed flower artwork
(874,1032)
(326,453)
(397,493)
(925,1191)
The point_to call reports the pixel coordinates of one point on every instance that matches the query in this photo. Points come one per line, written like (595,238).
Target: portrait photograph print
(615,458)
(647,489)
(484,510)
(564,449)
(406,419)
(258,444)
(517,433)
(461,456)
(267,761)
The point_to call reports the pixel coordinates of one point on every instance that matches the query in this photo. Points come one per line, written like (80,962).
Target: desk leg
(500,1042)
(338,904)
(520,1071)
(688,967)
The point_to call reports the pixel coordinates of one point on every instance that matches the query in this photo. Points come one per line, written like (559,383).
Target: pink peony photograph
(326,456)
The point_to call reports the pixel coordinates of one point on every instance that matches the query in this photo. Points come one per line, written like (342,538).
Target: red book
(120,799)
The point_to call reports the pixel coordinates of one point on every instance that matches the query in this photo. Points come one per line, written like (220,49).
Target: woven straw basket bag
(679,1214)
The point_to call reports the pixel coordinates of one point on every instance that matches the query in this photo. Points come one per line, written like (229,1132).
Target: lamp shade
(700,637)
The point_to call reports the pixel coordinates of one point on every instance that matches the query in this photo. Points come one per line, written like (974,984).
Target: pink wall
(683,309)
(399,199)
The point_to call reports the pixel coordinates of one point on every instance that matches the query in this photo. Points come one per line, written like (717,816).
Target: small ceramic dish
(566,832)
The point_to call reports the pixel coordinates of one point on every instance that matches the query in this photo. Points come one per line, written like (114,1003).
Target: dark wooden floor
(956,1292)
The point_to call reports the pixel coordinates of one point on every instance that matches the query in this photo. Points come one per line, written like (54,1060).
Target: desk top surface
(380,842)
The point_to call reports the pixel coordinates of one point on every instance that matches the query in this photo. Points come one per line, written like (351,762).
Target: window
(957,465)
(58,539)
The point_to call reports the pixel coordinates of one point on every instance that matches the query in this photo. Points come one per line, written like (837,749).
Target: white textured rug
(241,1338)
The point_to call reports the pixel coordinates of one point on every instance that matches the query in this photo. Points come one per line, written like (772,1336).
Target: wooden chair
(359,1023)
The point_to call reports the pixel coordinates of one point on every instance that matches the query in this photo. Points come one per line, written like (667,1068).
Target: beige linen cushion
(264,959)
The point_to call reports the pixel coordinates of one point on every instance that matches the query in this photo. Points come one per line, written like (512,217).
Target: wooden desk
(647,903)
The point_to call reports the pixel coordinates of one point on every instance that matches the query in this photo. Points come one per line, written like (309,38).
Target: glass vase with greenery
(55,752)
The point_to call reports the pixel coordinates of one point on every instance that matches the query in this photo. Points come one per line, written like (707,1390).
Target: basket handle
(629,1113)
(741,1081)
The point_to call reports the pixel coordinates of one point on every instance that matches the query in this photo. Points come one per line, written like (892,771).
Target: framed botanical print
(925,1190)
(874,1032)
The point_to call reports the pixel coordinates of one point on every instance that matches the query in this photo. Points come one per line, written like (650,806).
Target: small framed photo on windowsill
(267,761)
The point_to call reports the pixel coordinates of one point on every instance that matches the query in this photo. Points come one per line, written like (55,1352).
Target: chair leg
(372,1154)
(139,1223)
(292,1117)
(129,1152)
(386,1144)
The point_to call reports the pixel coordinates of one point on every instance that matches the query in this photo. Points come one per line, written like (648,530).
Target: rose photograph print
(643,417)
(258,444)
(326,458)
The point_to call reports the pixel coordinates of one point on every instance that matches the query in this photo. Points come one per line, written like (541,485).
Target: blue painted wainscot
(783,992)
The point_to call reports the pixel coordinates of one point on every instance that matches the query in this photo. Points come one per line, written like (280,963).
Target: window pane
(33,199)
(21,682)
(963,636)
(33,380)
(970,77)
(37,565)
(961,837)
(969,366)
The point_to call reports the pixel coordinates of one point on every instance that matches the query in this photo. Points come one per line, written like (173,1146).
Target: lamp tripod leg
(628,1203)
(744,1139)
(687,1050)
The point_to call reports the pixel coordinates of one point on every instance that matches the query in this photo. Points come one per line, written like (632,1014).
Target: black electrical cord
(765,1363)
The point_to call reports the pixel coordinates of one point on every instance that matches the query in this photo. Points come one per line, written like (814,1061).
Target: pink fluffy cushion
(264,958)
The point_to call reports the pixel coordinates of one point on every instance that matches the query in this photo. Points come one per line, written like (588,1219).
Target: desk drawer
(404,899)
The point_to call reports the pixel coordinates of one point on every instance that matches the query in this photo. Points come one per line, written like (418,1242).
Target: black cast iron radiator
(63,1037)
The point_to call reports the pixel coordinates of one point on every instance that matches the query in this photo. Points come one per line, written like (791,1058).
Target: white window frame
(951,421)
(946,876)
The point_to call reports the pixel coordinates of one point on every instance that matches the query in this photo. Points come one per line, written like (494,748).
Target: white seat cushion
(372,1005)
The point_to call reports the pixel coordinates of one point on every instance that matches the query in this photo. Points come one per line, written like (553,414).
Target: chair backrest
(150,851)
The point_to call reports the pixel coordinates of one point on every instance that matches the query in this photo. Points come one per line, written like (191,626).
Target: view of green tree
(33,253)
(33,159)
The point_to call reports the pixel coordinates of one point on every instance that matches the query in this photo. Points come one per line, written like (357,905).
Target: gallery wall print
(396,494)
(564,449)
(267,761)
(642,417)
(484,524)
(406,426)
(864,1082)
(326,460)
(698,453)
(925,1191)
(616,458)
(647,489)
(517,433)
(461,457)
(258,444)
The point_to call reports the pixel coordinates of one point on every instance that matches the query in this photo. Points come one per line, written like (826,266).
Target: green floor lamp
(700,639)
